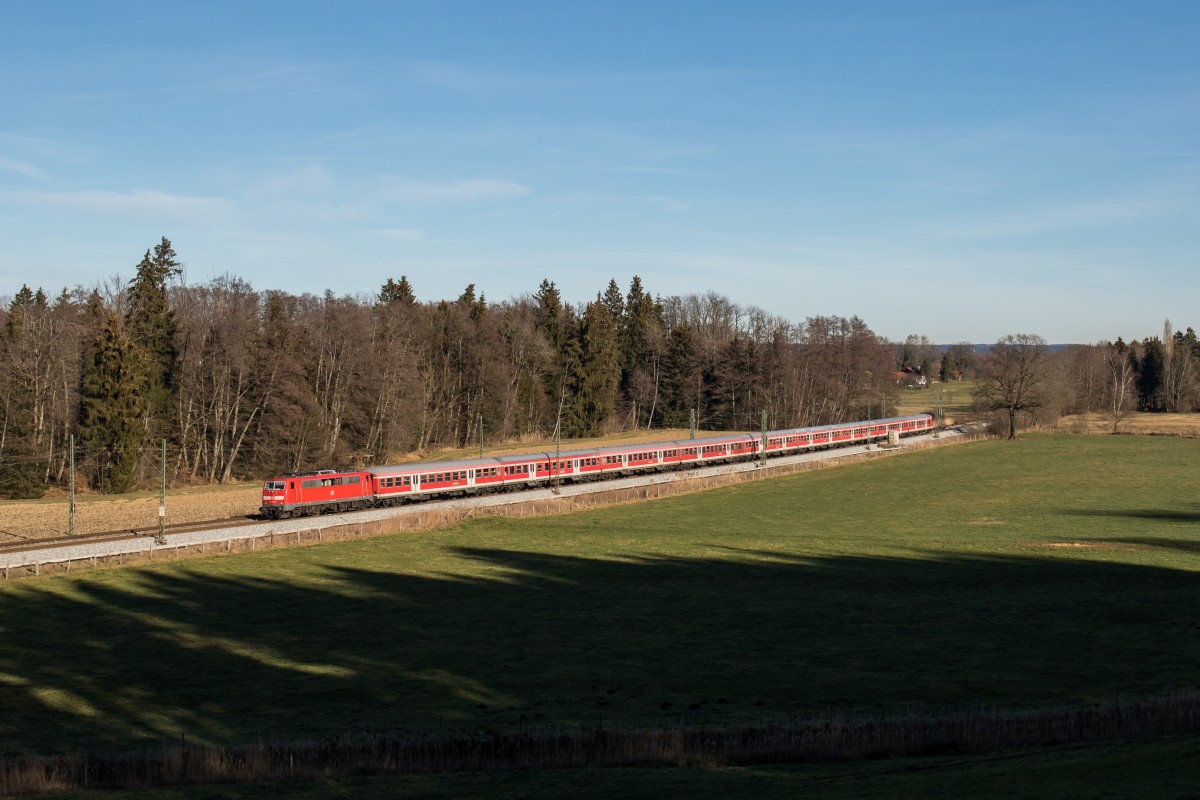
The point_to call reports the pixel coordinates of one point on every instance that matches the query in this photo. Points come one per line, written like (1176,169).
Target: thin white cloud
(139,202)
(929,187)
(657,171)
(21,168)
(406,190)
(239,82)
(667,203)
(399,234)
(470,81)
(1091,214)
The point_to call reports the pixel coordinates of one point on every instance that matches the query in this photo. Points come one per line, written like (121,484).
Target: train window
(310,484)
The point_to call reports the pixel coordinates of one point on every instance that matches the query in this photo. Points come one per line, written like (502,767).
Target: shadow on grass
(1150,514)
(520,639)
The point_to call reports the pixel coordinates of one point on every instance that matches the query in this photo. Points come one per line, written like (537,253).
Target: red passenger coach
(315,493)
(331,491)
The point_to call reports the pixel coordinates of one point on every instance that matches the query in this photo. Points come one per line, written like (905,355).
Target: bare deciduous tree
(1014,377)
(1121,394)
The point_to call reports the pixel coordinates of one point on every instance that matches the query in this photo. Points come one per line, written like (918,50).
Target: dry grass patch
(1145,424)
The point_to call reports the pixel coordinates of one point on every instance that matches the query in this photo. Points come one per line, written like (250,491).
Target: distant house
(911,378)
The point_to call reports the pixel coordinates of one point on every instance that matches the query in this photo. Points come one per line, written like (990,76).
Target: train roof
(433,466)
(521,458)
(840,425)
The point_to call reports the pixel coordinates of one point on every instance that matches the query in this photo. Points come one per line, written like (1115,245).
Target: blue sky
(961,170)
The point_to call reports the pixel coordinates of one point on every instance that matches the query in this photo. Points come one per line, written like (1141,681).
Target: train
(330,491)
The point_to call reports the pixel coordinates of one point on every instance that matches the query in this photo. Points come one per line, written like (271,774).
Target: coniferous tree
(614,302)
(948,368)
(682,378)
(150,325)
(549,312)
(22,466)
(1150,375)
(600,367)
(641,335)
(112,408)
(393,292)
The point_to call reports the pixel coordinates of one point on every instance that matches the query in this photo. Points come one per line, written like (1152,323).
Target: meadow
(957,400)
(1053,571)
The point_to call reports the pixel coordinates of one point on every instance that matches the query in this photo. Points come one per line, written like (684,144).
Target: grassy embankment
(1049,571)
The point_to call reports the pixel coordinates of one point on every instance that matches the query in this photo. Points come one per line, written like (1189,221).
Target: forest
(242,383)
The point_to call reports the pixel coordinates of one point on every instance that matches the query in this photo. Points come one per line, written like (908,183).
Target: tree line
(243,383)
(1023,380)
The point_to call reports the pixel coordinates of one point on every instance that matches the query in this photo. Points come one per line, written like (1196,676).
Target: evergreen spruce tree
(681,378)
(614,302)
(150,324)
(111,406)
(393,292)
(600,367)
(562,377)
(22,465)
(549,314)
(948,368)
(641,336)
(1151,372)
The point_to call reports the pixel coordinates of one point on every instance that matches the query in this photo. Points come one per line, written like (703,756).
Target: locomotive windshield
(274,486)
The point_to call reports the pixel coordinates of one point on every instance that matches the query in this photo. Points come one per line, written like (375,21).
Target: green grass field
(1054,570)
(957,399)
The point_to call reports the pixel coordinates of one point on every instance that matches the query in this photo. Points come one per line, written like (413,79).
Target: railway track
(65,549)
(46,542)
